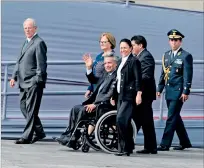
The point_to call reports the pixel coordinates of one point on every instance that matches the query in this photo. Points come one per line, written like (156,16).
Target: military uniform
(176,77)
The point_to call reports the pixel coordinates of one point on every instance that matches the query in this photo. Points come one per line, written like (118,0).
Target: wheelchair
(106,132)
(104,136)
(83,139)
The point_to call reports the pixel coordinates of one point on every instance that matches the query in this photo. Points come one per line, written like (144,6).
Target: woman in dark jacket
(128,95)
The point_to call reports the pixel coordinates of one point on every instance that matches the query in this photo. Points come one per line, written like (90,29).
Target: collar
(175,52)
(140,52)
(110,73)
(125,58)
(31,37)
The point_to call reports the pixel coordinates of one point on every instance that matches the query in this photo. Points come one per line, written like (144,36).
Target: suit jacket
(148,81)
(31,65)
(130,79)
(180,74)
(106,92)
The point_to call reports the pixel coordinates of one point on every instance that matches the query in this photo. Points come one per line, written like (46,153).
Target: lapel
(106,79)
(100,82)
(103,79)
(95,93)
(28,46)
(119,62)
(176,56)
(128,60)
(140,55)
(169,58)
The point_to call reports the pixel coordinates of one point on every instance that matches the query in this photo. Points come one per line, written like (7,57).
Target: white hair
(32,20)
(112,55)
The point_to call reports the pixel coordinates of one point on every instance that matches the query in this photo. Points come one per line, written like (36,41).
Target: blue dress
(98,69)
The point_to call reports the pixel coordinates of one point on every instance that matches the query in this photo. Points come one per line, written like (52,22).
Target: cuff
(88,71)
(186,91)
(160,89)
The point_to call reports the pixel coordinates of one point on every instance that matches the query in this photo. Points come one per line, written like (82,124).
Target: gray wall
(73,28)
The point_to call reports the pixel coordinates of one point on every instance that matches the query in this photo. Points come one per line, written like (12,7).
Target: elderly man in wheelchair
(95,106)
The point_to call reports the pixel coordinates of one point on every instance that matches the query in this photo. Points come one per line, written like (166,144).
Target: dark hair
(140,40)
(126,41)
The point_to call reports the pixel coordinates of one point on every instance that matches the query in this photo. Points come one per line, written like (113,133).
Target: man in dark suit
(101,96)
(176,77)
(143,115)
(30,72)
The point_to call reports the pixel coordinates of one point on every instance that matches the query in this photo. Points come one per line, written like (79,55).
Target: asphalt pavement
(52,155)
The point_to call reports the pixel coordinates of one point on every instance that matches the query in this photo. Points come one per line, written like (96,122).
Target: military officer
(176,77)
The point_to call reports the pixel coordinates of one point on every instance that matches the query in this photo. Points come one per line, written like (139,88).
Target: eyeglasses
(103,42)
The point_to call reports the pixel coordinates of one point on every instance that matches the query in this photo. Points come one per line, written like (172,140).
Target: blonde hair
(110,38)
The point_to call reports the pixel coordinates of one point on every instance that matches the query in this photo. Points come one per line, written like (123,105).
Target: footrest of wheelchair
(85,148)
(74,145)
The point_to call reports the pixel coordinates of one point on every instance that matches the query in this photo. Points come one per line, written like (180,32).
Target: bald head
(30,27)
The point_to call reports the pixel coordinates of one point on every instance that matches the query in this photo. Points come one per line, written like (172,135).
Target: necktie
(172,55)
(25,45)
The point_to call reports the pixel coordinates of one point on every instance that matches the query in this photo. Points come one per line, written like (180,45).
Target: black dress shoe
(37,138)
(145,151)
(163,148)
(122,153)
(54,138)
(61,141)
(22,141)
(180,147)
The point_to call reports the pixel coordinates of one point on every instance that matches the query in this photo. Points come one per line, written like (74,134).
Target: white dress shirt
(124,59)
(31,37)
(88,71)
(175,52)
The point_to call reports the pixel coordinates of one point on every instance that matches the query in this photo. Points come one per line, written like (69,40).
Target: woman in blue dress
(107,43)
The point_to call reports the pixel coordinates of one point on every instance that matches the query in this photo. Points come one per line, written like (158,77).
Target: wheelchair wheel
(88,140)
(91,141)
(106,133)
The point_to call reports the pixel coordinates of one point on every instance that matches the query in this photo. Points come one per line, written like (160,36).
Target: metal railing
(5,93)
